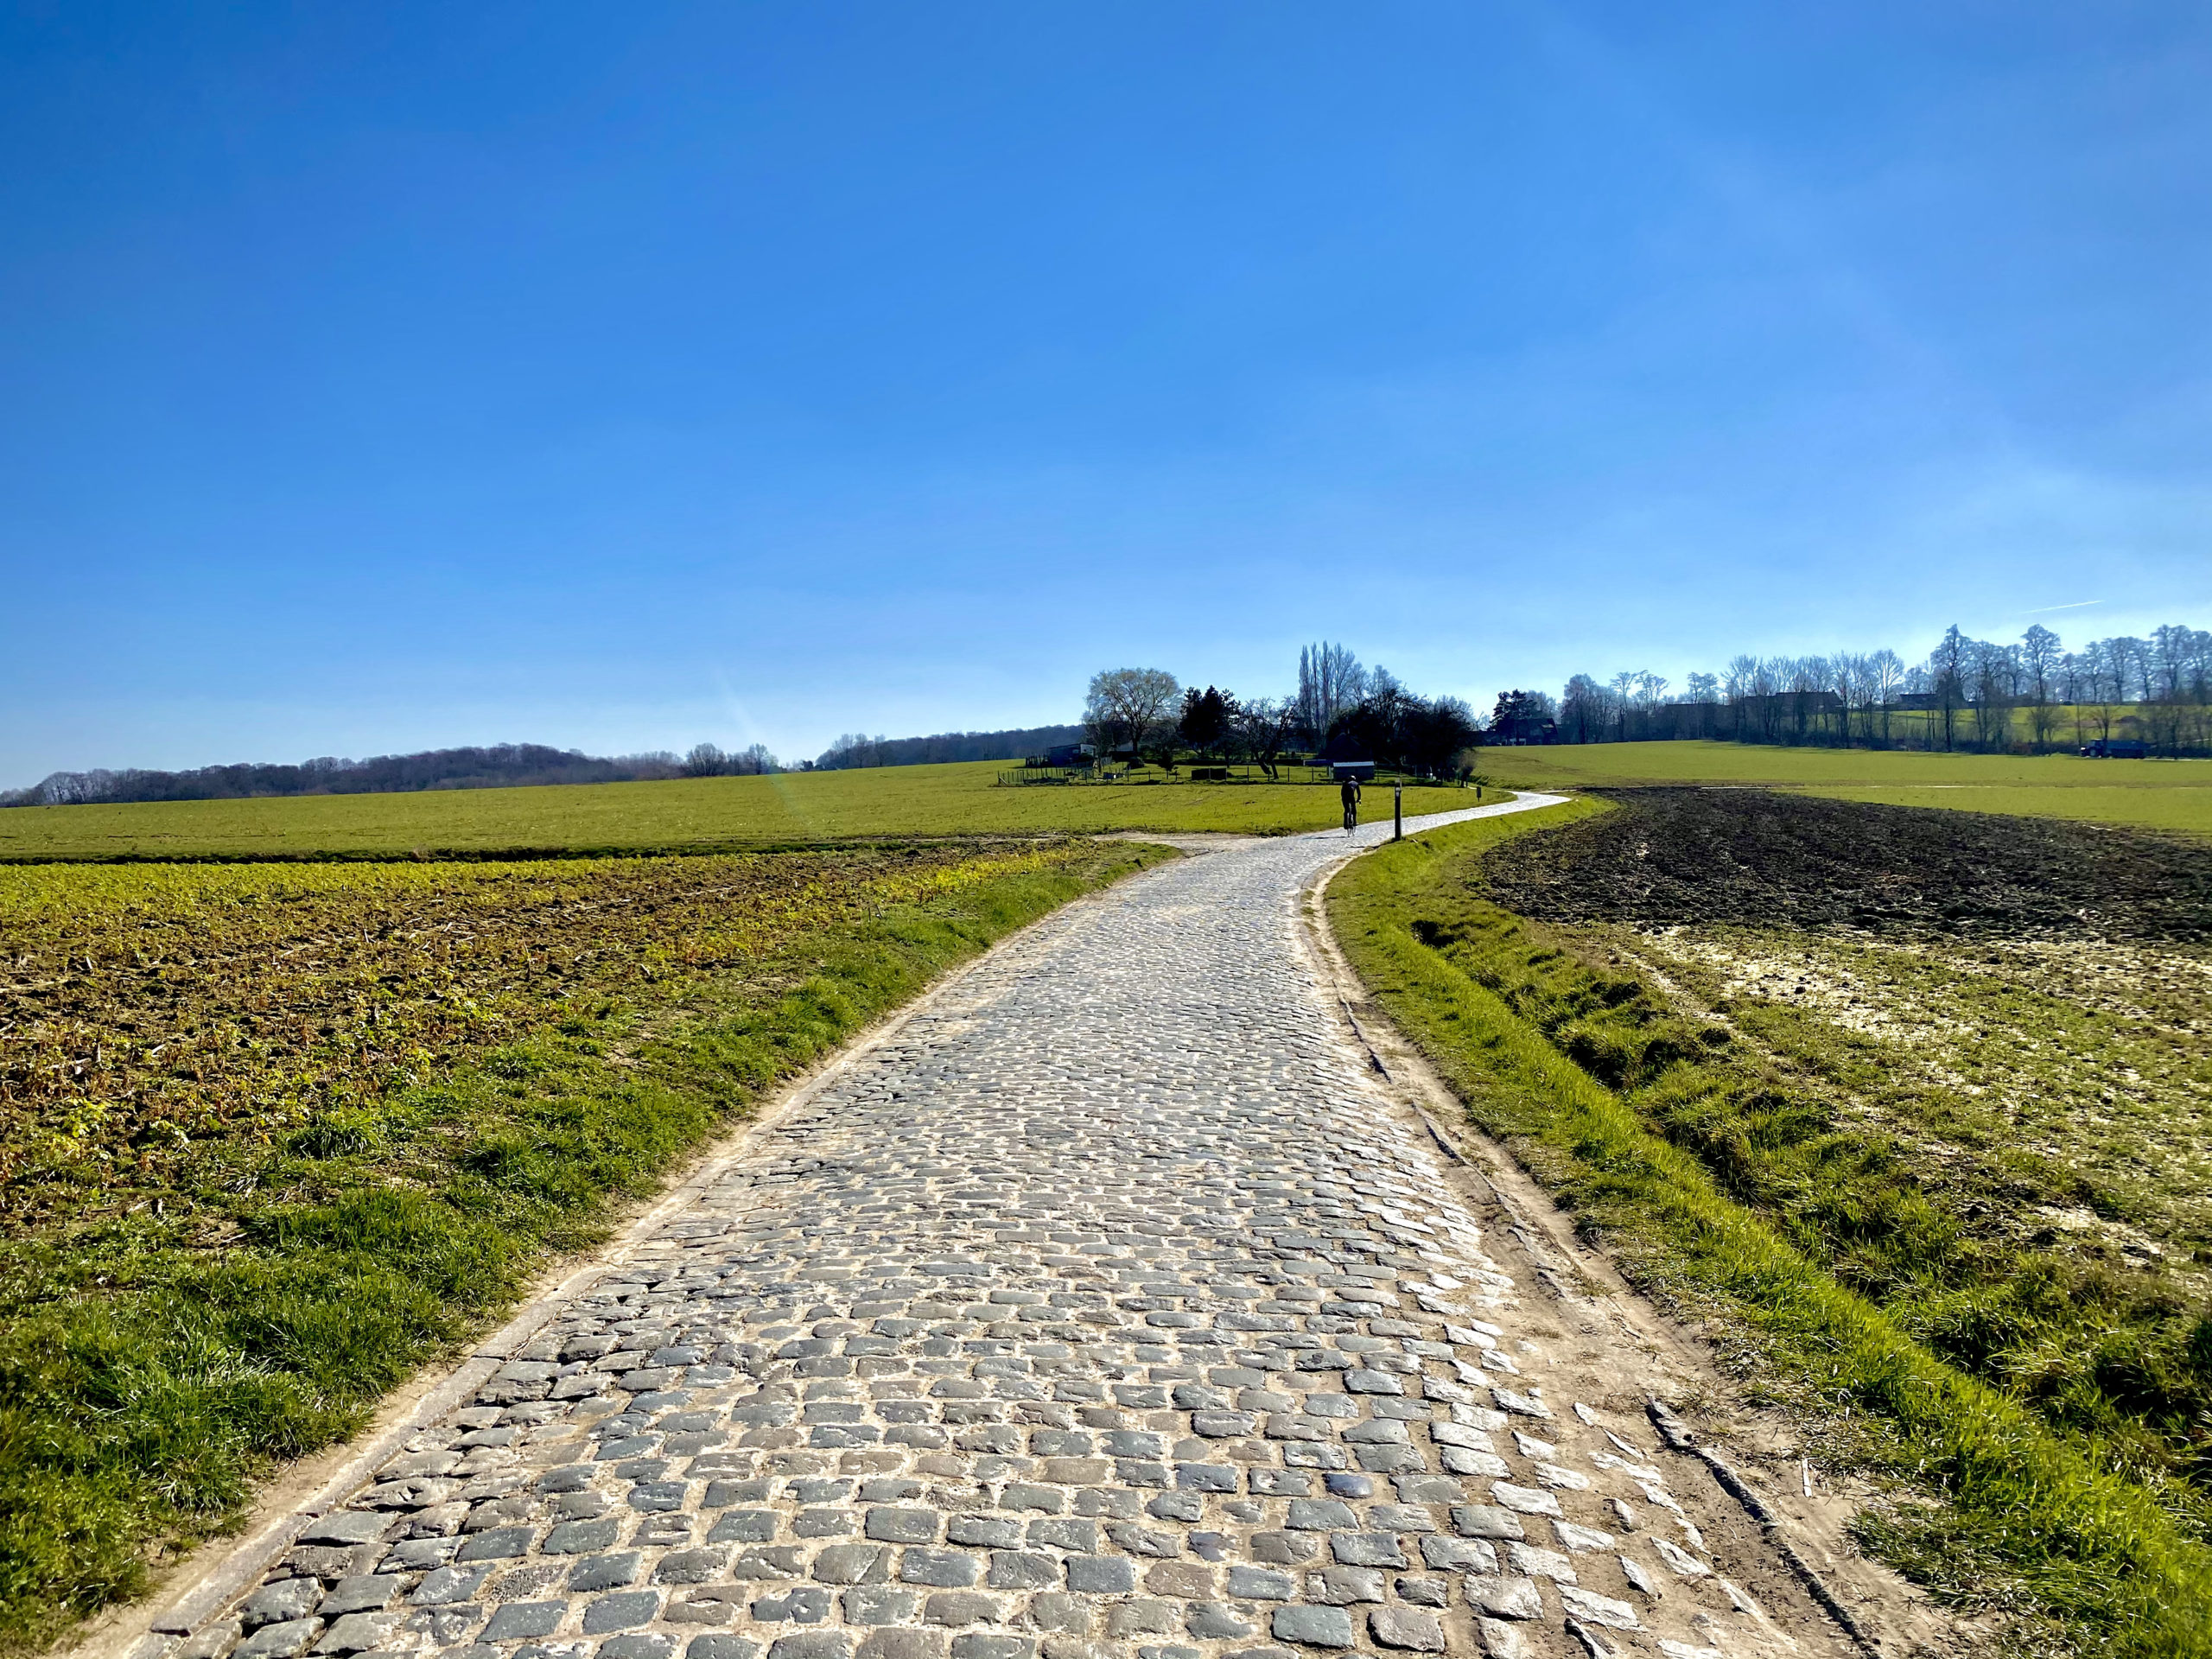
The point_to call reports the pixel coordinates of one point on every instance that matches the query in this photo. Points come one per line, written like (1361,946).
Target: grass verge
(156,1363)
(2028,1518)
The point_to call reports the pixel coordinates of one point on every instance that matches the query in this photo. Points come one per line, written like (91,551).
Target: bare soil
(1761,858)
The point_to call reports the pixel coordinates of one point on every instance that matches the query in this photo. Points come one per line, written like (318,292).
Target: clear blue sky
(377,377)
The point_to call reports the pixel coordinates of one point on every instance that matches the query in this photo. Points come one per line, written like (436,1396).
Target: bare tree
(1846,676)
(2169,657)
(1127,706)
(1886,671)
(1736,684)
(1331,684)
(2131,660)
(1623,698)
(1947,667)
(1995,676)
(2076,680)
(1583,714)
(2040,653)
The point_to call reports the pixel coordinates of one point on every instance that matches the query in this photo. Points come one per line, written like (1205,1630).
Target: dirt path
(1115,1301)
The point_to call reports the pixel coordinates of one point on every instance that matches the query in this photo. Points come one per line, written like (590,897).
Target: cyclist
(1351,793)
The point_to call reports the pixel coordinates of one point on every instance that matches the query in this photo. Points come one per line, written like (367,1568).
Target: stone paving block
(620,1611)
(286,1600)
(902,1645)
(1504,1596)
(1341,1586)
(1143,1617)
(800,1605)
(976,1645)
(1532,1562)
(521,1618)
(365,1593)
(281,1639)
(449,1586)
(1600,1610)
(358,1632)
(1105,1575)
(502,1543)
(1316,1627)
(1081,1536)
(347,1527)
(606,1571)
(1406,1630)
(905,1526)
(1056,1610)
(812,1644)
(879,1605)
(1367,1550)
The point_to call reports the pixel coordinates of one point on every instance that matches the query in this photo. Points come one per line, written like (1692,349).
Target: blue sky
(374,377)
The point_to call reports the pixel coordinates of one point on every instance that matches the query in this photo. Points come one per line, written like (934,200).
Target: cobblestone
(1107,1306)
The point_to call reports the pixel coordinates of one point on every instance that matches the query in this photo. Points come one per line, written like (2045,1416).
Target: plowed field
(1755,857)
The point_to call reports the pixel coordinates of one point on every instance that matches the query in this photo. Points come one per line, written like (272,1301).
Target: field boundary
(204,1581)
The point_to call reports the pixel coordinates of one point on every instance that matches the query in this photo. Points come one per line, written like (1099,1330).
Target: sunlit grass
(783,808)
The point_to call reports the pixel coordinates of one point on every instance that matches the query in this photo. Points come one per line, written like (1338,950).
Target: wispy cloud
(2045,610)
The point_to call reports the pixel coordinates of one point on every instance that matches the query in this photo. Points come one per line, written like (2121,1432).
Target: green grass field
(2170,795)
(804,808)
(689,814)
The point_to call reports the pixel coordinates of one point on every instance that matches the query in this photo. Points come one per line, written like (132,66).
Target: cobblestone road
(1107,1307)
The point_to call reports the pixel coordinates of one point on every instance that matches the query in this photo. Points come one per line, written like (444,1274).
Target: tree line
(1340,709)
(498,765)
(1968,693)
(858,749)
